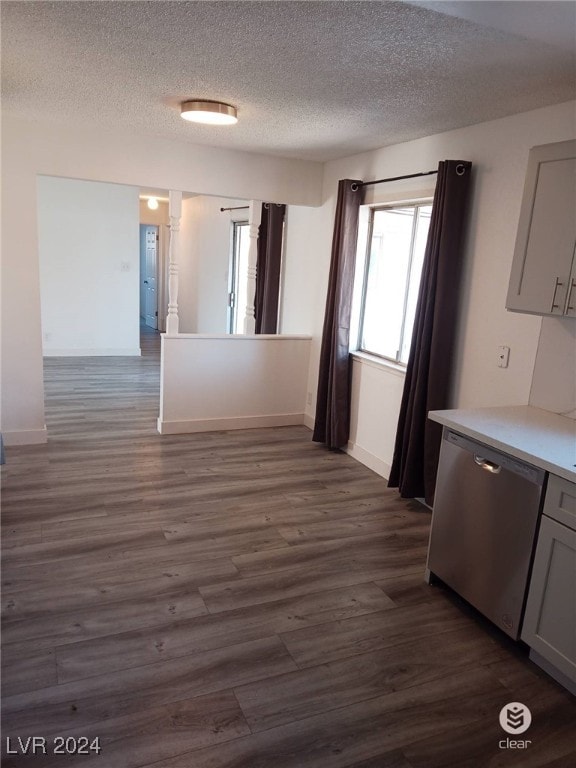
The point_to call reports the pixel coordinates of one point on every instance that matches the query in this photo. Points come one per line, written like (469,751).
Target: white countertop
(538,437)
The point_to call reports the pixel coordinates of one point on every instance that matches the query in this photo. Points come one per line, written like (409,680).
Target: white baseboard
(369,460)
(25,437)
(233,422)
(309,421)
(132,352)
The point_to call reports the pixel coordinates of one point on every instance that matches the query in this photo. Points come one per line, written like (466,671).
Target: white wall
(154,217)
(499,153)
(307,250)
(204,262)
(554,380)
(232,382)
(31,148)
(187,270)
(88,244)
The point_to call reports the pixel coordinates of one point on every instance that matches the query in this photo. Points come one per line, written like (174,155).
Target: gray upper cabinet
(543,276)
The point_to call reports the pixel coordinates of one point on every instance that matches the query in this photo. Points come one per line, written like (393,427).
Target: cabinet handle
(568,305)
(557,285)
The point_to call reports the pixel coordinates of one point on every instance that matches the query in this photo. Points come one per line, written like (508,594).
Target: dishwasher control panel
(527,471)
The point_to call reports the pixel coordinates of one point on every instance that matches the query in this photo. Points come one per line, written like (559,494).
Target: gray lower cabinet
(543,275)
(549,626)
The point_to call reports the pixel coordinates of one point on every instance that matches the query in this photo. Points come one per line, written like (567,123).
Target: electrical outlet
(309,398)
(125,266)
(503,357)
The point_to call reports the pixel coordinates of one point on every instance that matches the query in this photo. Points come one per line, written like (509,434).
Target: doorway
(149,246)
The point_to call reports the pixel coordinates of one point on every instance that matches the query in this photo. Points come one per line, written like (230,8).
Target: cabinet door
(570,309)
(550,619)
(541,273)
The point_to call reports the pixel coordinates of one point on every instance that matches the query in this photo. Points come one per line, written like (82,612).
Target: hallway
(236,600)
(107,397)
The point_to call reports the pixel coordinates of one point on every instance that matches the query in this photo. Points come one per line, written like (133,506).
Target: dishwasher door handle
(489,466)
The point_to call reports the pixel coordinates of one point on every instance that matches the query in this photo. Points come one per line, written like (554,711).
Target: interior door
(149,276)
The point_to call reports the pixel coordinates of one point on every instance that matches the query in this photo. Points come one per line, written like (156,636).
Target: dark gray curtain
(268,265)
(428,374)
(332,422)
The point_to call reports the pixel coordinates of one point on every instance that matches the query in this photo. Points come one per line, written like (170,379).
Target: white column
(175,213)
(254,217)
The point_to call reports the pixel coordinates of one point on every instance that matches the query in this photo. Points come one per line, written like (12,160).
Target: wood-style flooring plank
(357,552)
(370,523)
(43,510)
(123,561)
(526,680)
(342,737)
(27,671)
(377,630)
(256,590)
(19,535)
(180,638)
(66,551)
(333,524)
(145,581)
(63,480)
(395,759)
(179,521)
(410,588)
(52,630)
(153,734)
(212,490)
(118,694)
(363,492)
(307,692)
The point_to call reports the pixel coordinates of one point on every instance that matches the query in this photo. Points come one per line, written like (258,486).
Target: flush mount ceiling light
(210,112)
(152,203)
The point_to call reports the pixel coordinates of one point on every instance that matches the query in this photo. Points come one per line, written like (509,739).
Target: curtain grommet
(460,169)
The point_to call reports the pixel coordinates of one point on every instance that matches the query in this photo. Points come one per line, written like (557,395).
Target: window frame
(395,362)
(233,275)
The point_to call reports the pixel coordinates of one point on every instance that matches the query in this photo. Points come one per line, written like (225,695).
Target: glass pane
(421,236)
(241,243)
(386,281)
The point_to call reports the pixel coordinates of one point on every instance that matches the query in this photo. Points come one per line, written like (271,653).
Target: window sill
(378,362)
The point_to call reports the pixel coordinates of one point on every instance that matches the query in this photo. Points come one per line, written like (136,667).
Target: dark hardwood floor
(236,600)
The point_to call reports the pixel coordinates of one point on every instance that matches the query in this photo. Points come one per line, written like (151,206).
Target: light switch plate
(503,357)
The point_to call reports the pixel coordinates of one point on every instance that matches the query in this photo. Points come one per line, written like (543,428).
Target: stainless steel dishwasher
(484,522)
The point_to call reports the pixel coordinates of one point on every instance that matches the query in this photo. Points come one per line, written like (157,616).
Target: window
(238,276)
(396,243)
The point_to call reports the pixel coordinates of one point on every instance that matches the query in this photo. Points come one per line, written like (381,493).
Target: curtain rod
(393,178)
(237,208)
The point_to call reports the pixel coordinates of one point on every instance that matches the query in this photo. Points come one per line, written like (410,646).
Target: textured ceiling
(315,80)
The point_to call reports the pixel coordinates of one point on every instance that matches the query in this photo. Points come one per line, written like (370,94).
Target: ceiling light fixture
(152,203)
(210,112)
